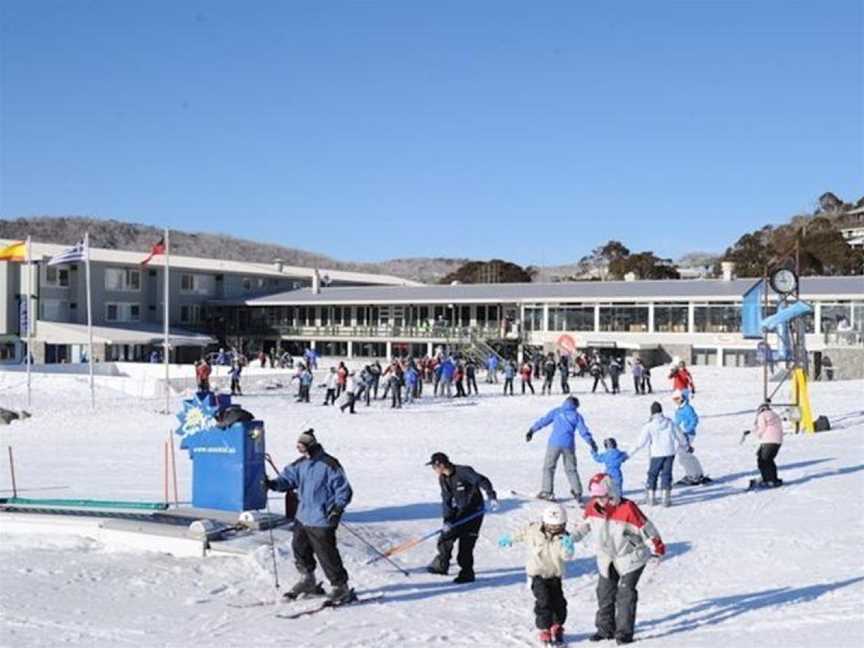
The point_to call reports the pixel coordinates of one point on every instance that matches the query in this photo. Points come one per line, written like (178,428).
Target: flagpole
(166,318)
(29,317)
(89,319)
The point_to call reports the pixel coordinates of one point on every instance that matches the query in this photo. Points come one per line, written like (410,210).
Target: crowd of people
(624,537)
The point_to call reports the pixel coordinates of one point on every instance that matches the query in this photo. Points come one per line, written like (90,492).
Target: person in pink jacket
(769,431)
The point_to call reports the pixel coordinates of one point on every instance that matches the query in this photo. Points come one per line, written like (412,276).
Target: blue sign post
(227,462)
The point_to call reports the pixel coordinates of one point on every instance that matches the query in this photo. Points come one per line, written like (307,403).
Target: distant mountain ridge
(117,235)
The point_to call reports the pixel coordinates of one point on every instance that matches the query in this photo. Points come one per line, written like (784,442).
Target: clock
(783,281)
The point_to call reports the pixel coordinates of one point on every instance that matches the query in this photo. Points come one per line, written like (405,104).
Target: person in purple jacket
(565,421)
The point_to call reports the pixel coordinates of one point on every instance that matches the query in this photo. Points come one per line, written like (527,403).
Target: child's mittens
(567,543)
(505,541)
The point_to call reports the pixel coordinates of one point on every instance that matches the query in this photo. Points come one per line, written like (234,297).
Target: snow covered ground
(780,567)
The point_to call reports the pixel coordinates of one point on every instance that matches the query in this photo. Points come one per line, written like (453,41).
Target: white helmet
(554,515)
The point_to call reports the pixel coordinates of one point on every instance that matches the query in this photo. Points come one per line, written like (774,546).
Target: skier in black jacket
(461,497)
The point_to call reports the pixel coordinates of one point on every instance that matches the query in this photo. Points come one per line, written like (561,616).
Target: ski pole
(374,548)
(272,542)
(413,542)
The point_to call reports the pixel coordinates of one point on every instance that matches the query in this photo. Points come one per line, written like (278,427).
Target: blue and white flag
(71,255)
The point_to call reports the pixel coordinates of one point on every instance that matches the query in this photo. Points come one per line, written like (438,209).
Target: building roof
(592,291)
(147,334)
(126,257)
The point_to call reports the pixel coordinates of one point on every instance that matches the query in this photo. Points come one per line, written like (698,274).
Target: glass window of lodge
(122,279)
(624,318)
(671,318)
(534,318)
(836,315)
(720,317)
(578,317)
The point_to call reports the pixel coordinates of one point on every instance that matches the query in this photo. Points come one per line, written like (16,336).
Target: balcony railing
(450,334)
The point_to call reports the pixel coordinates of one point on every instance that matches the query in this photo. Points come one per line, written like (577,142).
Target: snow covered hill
(781,567)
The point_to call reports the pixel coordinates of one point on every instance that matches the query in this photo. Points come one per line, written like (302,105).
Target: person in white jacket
(331,384)
(350,393)
(549,546)
(663,438)
(624,539)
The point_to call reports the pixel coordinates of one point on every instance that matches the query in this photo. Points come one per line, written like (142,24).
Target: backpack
(822,424)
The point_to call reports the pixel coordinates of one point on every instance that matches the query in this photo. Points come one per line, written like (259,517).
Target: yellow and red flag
(16,251)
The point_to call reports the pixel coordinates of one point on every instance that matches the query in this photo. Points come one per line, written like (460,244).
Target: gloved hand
(529,436)
(335,515)
(567,543)
(269,484)
(593,446)
(493,505)
(659,547)
(505,541)
(690,449)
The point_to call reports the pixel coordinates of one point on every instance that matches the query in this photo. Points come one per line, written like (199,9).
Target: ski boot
(599,637)
(650,497)
(464,577)
(706,480)
(435,567)
(340,595)
(557,631)
(545,638)
(623,639)
(667,497)
(577,497)
(543,495)
(306,586)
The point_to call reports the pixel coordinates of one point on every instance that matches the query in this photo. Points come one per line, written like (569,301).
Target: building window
(836,315)
(534,318)
(52,310)
(190,313)
(122,279)
(624,318)
(247,284)
(325,316)
(670,318)
(7,351)
(721,317)
(198,284)
(361,316)
(122,312)
(56,277)
(571,318)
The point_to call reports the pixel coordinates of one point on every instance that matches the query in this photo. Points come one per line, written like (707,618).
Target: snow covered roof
(592,291)
(126,257)
(65,333)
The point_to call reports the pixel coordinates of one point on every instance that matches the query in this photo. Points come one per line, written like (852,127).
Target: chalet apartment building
(127,301)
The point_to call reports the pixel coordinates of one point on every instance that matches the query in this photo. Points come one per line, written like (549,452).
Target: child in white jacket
(549,546)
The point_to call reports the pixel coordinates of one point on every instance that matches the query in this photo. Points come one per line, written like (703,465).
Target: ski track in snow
(742,569)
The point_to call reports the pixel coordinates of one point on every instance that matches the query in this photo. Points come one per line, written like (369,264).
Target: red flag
(158,248)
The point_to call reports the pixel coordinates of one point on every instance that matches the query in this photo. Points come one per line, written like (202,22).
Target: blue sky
(371,130)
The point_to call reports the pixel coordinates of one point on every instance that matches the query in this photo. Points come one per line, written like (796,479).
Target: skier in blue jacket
(687,419)
(566,421)
(612,458)
(324,493)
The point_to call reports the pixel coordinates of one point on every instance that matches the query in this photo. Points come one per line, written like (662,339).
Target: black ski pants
(565,384)
(396,396)
(765,460)
(466,535)
(349,403)
(310,543)
(547,385)
(616,603)
(637,385)
(599,379)
(330,397)
(616,386)
(460,389)
(528,383)
(550,606)
(508,384)
(472,382)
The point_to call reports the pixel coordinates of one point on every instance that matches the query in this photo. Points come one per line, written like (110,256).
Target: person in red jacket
(525,373)
(625,540)
(202,374)
(682,380)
